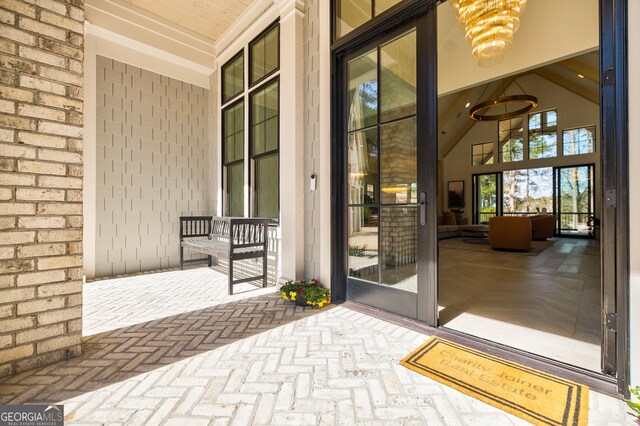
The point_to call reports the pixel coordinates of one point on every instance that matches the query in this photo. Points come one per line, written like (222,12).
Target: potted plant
(306,292)
(635,406)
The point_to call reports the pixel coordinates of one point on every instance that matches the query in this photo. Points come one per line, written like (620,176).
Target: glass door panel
(575,200)
(382,175)
(486,194)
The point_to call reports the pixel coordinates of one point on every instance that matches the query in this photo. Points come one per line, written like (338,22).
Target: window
(264,149)
(350,14)
(482,153)
(527,191)
(233,158)
(264,55)
(579,141)
(261,138)
(233,78)
(543,135)
(486,197)
(510,137)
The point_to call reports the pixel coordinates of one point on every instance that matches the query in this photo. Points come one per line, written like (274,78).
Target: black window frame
(260,36)
(595,140)
(225,164)
(225,101)
(253,157)
(493,151)
(542,132)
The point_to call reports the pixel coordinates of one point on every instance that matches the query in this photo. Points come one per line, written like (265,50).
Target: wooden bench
(229,238)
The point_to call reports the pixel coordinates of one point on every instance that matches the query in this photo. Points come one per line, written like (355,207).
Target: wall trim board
(124,49)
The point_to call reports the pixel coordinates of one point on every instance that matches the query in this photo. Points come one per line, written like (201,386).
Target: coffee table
(474,234)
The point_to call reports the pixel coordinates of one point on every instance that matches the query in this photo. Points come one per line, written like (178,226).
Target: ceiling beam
(569,85)
(575,66)
(468,125)
(452,108)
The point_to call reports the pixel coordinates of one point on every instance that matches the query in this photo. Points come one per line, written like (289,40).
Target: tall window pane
(233,158)
(511,136)
(264,149)
(232,78)
(363,157)
(543,135)
(265,55)
(235,192)
(267,184)
(363,91)
(398,78)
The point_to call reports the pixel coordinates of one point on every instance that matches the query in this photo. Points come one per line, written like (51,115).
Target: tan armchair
(543,226)
(510,233)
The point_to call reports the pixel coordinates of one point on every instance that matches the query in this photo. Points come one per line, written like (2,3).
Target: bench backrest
(195,226)
(244,232)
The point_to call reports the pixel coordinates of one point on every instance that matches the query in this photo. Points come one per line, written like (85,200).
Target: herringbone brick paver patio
(173,348)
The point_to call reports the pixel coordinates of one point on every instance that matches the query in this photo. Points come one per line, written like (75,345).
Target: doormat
(537,397)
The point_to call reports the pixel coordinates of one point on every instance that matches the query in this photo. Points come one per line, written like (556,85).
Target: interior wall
(564,35)
(152,166)
(573,111)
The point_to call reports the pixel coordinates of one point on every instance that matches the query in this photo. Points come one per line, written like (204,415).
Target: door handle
(423,208)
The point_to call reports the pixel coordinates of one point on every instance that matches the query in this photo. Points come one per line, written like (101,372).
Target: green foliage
(635,406)
(312,290)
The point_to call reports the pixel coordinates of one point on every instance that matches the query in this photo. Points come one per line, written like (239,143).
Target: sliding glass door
(487,193)
(575,199)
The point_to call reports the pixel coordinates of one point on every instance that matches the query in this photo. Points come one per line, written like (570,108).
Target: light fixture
(468,105)
(398,189)
(480,111)
(580,75)
(489,26)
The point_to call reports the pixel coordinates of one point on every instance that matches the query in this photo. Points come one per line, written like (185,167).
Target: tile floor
(173,348)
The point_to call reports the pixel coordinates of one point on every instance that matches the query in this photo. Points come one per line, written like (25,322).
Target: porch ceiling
(208,18)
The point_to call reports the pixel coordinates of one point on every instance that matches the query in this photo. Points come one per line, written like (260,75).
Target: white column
(324,174)
(292,179)
(90,160)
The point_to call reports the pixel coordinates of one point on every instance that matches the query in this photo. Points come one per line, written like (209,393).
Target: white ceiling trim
(136,24)
(119,47)
(254,16)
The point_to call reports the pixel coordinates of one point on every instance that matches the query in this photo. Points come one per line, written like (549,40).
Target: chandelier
(521,104)
(489,26)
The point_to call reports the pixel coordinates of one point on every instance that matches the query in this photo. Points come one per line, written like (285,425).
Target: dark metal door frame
(614,171)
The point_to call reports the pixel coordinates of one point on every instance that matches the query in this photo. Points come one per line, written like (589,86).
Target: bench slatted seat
(229,238)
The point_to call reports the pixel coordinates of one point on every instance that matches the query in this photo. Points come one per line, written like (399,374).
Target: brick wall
(41,101)
(152,166)
(311,34)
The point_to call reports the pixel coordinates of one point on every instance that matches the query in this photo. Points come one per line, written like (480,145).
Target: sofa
(448,226)
(543,226)
(510,233)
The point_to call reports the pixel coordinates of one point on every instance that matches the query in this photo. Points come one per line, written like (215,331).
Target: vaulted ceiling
(578,75)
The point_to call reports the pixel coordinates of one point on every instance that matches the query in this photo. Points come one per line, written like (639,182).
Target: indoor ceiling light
(580,75)
(481,110)
(489,26)
(468,105)
(395,189)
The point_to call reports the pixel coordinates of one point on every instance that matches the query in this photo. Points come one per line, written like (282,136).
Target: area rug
(483,245)
(535,396)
